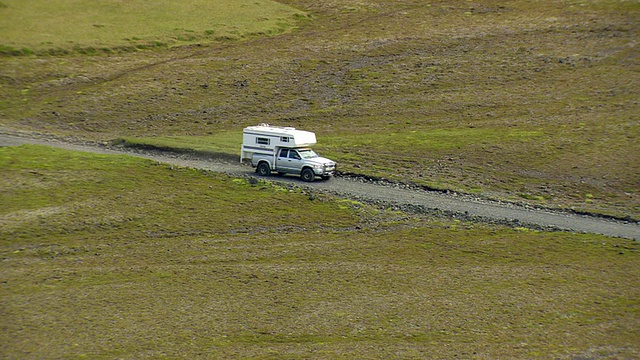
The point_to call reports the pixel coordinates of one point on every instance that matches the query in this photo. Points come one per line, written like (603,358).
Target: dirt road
(406,198)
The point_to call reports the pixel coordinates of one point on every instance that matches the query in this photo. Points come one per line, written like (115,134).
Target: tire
(308,175)
(264,169)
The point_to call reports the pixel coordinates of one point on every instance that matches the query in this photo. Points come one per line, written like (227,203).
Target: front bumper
(325,170)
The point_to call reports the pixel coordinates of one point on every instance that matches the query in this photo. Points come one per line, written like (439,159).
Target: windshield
(307,154)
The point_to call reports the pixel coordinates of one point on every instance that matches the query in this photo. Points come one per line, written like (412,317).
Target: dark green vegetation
(118,257)
(531,101)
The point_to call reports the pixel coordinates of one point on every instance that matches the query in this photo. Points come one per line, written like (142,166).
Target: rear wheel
(264,169)
(308,175)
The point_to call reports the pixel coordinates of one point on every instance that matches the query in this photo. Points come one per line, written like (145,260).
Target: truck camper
(284,150)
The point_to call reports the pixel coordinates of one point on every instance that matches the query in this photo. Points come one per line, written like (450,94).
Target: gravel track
(399,196)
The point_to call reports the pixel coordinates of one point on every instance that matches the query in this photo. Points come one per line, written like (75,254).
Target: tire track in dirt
(198,50)
(405,198)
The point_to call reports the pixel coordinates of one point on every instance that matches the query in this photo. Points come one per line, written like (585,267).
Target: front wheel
(308,175)
(264,169)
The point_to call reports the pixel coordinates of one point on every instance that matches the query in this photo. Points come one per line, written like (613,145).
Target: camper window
(284,138)
(262,141)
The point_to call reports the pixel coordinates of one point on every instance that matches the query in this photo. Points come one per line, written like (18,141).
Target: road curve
(452,204)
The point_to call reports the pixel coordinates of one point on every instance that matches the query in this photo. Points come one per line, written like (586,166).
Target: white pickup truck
(284,150)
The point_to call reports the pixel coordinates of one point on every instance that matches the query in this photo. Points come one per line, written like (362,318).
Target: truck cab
(289,160)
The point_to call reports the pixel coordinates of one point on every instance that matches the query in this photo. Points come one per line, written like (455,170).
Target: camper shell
(264,139)
(285,150)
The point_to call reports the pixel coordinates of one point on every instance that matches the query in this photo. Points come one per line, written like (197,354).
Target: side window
(294,155)
(283,153)
(262,141)
(284,139)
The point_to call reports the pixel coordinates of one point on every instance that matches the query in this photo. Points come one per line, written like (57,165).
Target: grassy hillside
(528,101)
(59,26)
(119,257)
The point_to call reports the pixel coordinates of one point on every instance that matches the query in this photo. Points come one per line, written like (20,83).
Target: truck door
(295,161)
(283,163)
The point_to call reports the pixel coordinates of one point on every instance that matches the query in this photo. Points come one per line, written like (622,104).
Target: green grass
(405,150)
(222,143)
(79,184)
(115,256)
(438,140)
(92,27)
